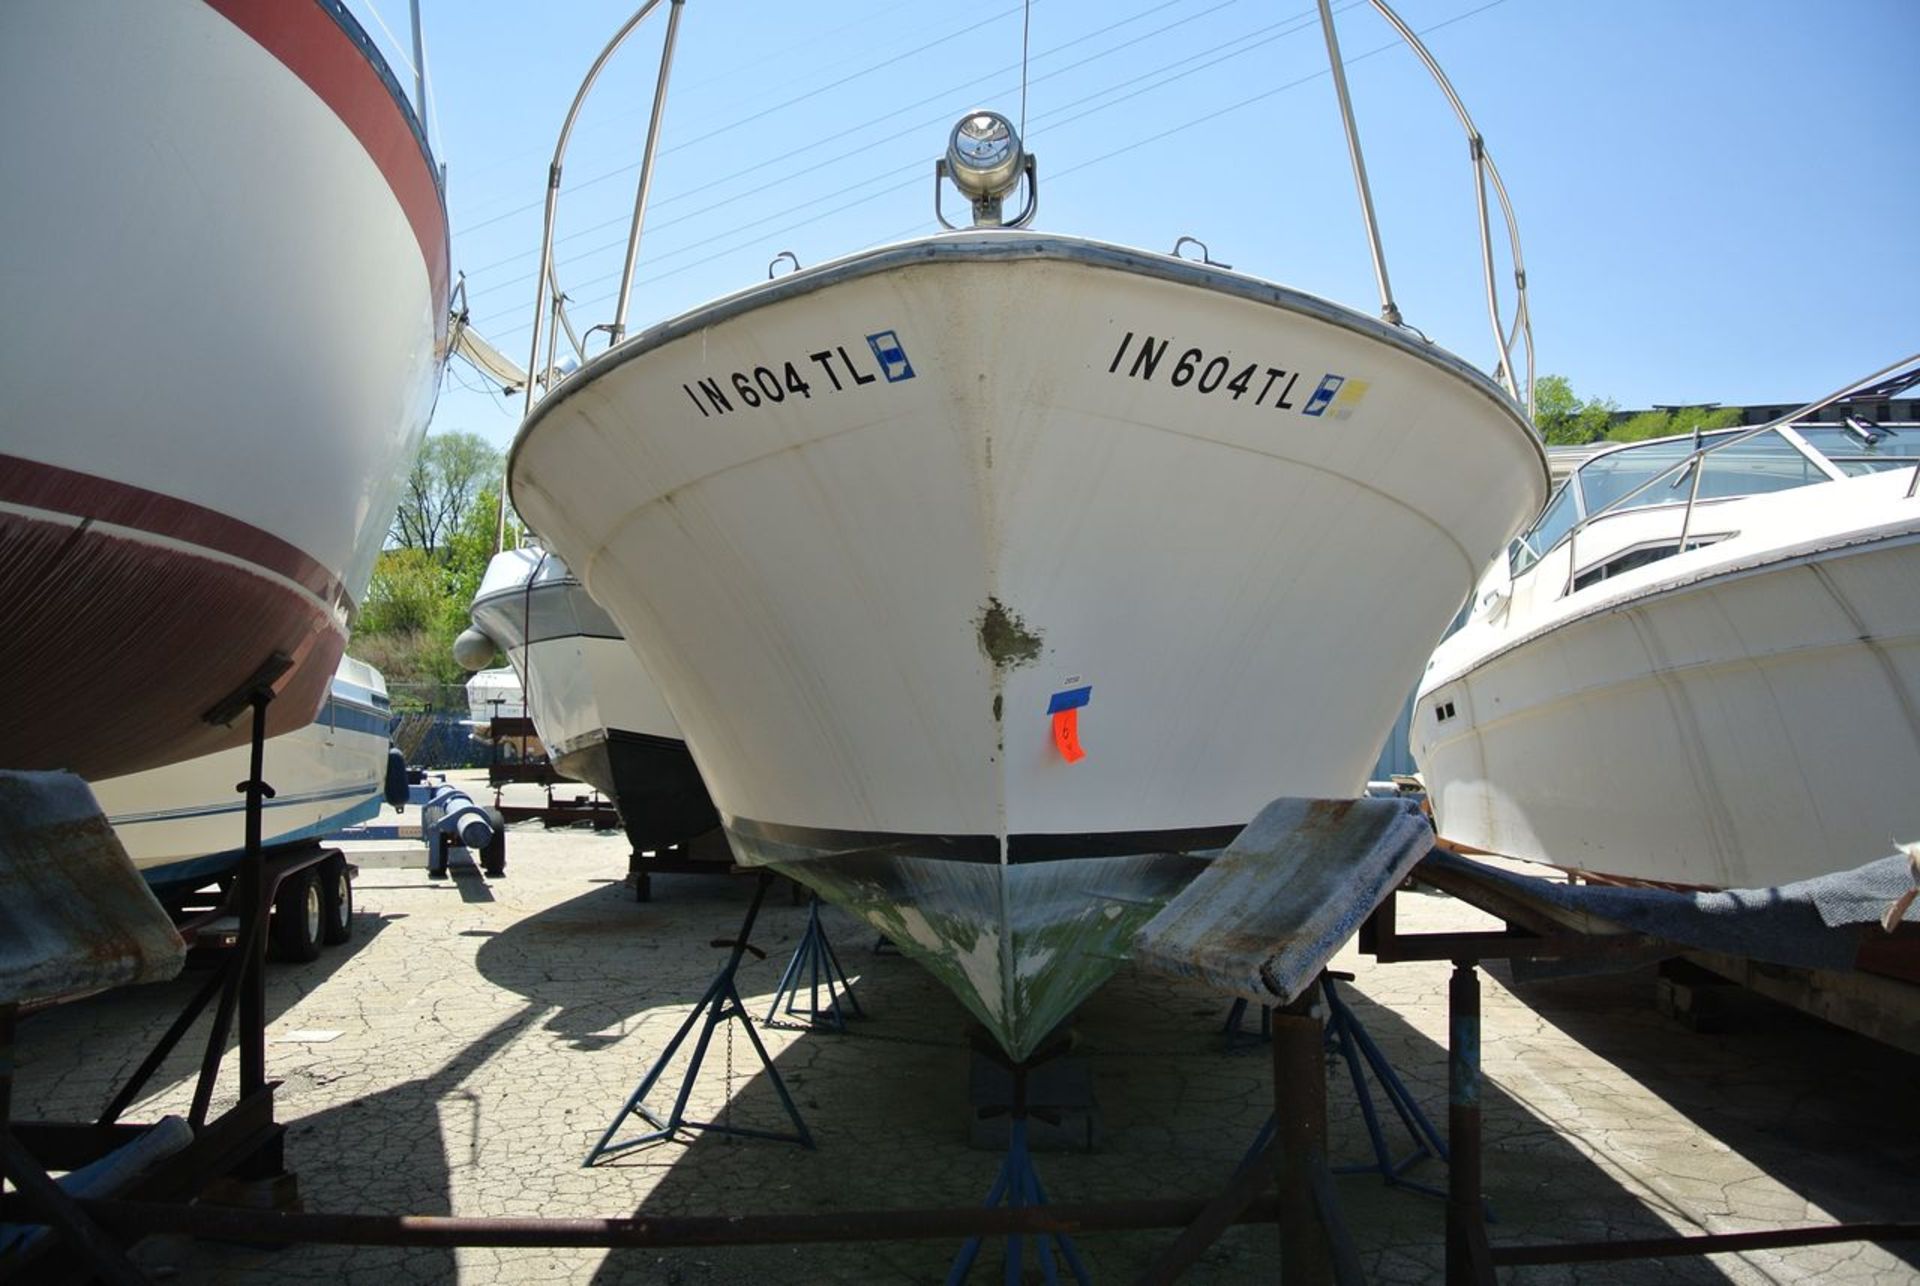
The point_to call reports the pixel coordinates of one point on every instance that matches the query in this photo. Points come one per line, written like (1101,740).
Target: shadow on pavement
(1824,1112)
(138,1016)
(1803,1103)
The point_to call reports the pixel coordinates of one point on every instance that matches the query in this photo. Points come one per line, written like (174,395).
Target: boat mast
(419,70)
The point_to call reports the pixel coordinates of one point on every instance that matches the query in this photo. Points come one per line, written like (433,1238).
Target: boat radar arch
(986,161)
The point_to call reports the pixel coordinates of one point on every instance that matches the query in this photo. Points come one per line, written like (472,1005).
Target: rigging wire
(398,50)
(1132,147)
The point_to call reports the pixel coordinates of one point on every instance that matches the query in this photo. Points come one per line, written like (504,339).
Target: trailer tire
(299,919)
(336,902)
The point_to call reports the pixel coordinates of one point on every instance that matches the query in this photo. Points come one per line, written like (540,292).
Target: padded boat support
(1267,915)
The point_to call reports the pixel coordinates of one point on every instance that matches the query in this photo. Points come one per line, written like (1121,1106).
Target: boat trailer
(95,926)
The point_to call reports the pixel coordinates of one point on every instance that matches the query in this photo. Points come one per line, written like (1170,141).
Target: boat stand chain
(1348,1038)
(721,1004)
(814,965)
(1018,1186)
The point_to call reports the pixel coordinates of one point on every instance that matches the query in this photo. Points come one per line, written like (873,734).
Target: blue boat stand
(814,964)
(1348,1038)
(719,1005)
(1018,1185)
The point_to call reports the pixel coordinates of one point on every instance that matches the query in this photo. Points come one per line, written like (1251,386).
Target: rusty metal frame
(1314,1248)
(245,1141)
(1537,932)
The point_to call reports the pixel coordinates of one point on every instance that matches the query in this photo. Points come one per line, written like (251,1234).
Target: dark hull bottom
(1021,945)
(124,645)
(652,781)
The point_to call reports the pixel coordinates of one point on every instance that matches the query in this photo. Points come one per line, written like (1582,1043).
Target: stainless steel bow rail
(549,300)
(1485,174)
(545,277)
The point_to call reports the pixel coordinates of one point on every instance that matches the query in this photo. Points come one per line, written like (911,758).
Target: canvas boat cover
(75,916)
(1264,918)
(1809,924)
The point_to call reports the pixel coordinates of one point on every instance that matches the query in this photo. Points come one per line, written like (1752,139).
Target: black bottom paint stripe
(986,848)
(1056,848)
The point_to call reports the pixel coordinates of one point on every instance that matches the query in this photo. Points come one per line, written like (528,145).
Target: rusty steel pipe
(1467,1259)
(1721,1243)
(273,1228)
(1300,1122)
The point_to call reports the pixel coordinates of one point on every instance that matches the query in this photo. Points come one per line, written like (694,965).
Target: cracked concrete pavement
(489,1029)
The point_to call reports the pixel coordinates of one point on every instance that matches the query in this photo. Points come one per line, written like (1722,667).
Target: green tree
(1664,424)
(1563,418)
(1640,427)
(404,595)
(1704,419)
(448,477)
(424,582)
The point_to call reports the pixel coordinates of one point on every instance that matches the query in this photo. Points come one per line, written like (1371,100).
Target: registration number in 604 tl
(1150,359)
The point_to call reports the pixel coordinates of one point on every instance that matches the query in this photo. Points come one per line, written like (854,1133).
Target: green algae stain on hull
(1020,946)
(1005,638)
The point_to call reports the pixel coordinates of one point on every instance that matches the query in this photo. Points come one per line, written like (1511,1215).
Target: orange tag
(1066,735)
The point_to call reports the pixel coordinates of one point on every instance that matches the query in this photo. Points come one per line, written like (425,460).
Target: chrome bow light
(986,162)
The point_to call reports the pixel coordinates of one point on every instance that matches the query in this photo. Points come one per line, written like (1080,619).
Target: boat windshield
(1732,463)
(1764,462)
(1608,481)
(1555,521)
(1861,448)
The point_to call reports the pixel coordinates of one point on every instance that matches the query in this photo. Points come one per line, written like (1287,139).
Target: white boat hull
(861,599)
(1741,716)
(186,822)
(599,714)
(494,694)
(225,253)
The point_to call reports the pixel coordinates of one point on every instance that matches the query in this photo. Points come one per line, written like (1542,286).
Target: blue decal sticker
(1323,396)
(1071,699)
(893,358)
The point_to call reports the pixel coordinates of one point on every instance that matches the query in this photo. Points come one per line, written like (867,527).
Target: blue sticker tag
(1323,396)
(1071,699)
(891,356)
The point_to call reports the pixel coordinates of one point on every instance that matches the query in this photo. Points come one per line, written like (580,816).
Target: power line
(1261,97)
(765,112)
(818,166)
(1059,175)
(1275,31)
(731,76)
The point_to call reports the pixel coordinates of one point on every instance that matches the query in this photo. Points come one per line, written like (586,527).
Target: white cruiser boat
(198,498)
(494,693)
(598,713)
(1700,667)
(185,823)
(998,578)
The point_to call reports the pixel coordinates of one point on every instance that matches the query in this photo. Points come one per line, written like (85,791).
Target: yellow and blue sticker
(1337,398)
(892,356)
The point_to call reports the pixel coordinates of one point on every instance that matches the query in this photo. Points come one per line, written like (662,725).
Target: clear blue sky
(1718,199)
